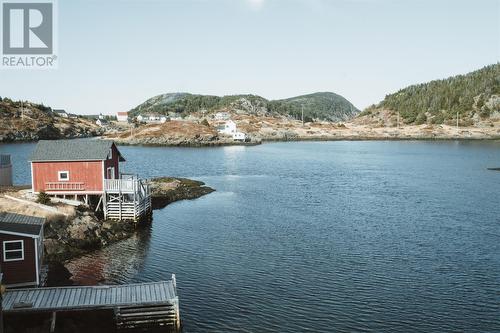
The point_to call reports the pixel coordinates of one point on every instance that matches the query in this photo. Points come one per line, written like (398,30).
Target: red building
(21,239)
(83,169)
(74,167)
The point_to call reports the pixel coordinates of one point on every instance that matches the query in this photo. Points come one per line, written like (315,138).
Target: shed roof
(22,224)
(72,150)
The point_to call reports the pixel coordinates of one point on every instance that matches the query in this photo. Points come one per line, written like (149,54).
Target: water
(320,237)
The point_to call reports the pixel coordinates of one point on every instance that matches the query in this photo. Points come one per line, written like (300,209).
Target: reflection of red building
(21,246)
(74,167)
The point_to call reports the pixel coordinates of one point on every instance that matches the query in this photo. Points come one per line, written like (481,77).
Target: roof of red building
(72,150)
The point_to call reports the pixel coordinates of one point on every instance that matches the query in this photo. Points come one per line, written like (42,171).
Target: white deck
(128,198)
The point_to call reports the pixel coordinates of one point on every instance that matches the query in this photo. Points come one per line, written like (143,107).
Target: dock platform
(135,306)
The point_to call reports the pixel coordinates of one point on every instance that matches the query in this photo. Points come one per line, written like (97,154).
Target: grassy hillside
(322,106)
(30,121)
(474,96)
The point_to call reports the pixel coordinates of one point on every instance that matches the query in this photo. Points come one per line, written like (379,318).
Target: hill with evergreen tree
(474,97)
(318,106)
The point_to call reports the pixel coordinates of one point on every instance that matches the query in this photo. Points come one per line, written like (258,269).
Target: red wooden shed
(21,247)
(74,167)
(87,169)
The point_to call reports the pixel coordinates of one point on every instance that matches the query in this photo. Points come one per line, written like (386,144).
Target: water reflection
(119,262)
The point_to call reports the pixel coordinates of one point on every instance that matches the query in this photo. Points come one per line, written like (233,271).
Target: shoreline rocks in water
(165,190)
(82,231)
(85,232)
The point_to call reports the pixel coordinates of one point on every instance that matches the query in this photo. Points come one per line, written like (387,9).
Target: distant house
(101,116)
(72,115)
(102,122)
(122,116)
(152,118)
(229,128)
(21,239)
(239,136)
(60,113)
(222,116)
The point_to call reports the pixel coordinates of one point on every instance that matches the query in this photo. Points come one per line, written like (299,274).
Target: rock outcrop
(166,190)
(66,238)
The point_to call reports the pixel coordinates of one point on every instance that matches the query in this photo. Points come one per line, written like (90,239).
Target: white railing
(64,186)
(120,185)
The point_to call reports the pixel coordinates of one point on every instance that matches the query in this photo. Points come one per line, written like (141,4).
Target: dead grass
(11,206)
(172,128)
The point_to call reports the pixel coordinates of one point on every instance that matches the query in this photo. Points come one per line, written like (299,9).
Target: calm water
(320,237)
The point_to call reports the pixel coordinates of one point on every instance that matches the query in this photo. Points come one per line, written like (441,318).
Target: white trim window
(63,176)
(13,250)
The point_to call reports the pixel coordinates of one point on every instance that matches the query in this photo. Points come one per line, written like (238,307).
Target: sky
(115,54)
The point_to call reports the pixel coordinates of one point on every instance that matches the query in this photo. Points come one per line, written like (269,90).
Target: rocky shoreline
(165,190)
(78,231)
(86,232)
(272,129)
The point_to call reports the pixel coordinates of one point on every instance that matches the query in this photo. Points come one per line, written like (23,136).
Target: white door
(111,173)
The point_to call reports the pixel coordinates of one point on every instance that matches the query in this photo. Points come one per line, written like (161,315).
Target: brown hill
(26,121)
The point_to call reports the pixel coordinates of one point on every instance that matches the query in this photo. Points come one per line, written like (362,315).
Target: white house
(122,116)
(152,118)
(222,116)
(229,128)
(101,116)
(239,136)
(101,122)
(60,113)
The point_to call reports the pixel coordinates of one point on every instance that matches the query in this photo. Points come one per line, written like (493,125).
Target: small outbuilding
(102,122)
(21,239)
(122,116)
(229,128)
(89,170)
(60,113)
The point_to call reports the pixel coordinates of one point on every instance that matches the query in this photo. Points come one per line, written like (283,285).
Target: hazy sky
(115,54)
